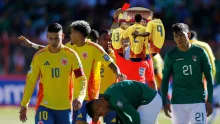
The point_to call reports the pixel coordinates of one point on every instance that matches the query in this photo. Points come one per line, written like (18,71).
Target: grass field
(10,115)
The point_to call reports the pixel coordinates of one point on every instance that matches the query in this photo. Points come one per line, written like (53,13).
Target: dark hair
(81,26)
(120,23)
(193,34)
(94,35)
(55,27)
(106,31)
(89,109)
(144,19)
(180,27)
(138,18)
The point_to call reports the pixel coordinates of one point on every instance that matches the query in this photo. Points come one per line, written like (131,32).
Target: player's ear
(63,35)
(189,34)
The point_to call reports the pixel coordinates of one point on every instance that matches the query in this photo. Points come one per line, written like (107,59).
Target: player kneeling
(133,101)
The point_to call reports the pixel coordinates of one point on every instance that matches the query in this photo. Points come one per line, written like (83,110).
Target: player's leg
(81,116)
(63,116)
(44,116)
(110,118)
(198,113)
(179,114)
(148,113)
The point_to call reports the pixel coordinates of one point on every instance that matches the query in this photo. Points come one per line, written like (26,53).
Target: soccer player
(56,65)
(133,101)
(186,63)
(117,38)
(137,44)
(156,32)
(91,56)
(107,76)
(206,47)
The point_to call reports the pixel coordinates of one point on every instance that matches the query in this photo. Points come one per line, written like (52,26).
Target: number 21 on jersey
(187,69)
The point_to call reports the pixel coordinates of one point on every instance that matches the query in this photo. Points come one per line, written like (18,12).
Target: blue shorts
(45,115)
(110,118)
(81,114)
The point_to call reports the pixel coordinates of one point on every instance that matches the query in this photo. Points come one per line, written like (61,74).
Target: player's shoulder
(172,52)
(94,46)
(42,51)
(68,50)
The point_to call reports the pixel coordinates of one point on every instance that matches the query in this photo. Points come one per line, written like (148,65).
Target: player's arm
(146,33)
(80,78)
(129,115)
(31,81)
(126,33)
(207,69)
(103,57)
(28,43)
(167,71)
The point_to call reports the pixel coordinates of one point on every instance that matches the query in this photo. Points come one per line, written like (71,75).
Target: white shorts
(188,113)
(148,113)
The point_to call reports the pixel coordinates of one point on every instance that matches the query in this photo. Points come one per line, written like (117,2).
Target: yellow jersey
(116,39)
(157,35)
(138,45)
(208,49)
(107,76)
(56,71)
(91,56)
(158,67)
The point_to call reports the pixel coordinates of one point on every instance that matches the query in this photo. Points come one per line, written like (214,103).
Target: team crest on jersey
(85,55)
(141,71)
(194,58)
(119,104)
(64,61)
(40,122)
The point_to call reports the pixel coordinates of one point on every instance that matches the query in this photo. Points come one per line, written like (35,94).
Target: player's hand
(121,77)
(77,104)
(117,12)
(167,110)
(23,114)
(209,108)
(25,41)
(135,33)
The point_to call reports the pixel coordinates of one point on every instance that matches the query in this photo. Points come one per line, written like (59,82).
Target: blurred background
(30,18)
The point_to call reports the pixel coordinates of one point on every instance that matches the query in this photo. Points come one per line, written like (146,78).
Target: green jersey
(217,63)
(186,69)
(126,96)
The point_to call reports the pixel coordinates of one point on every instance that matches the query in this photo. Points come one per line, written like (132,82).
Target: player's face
(101,111)
(105,40)
(124,25)
(74,36)
(55,39)
(143,22)
(181,38)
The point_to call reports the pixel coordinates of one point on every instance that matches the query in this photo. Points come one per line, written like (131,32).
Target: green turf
(10,115)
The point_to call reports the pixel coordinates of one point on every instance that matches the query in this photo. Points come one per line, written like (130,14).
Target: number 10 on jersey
(55,72)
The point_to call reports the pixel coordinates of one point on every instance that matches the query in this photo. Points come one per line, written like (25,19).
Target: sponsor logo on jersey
(85,55)
(106,57)
(64,61)
(40,122)
(119,104)
(194,58)
(141,71)
(46,63)
(179,59)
